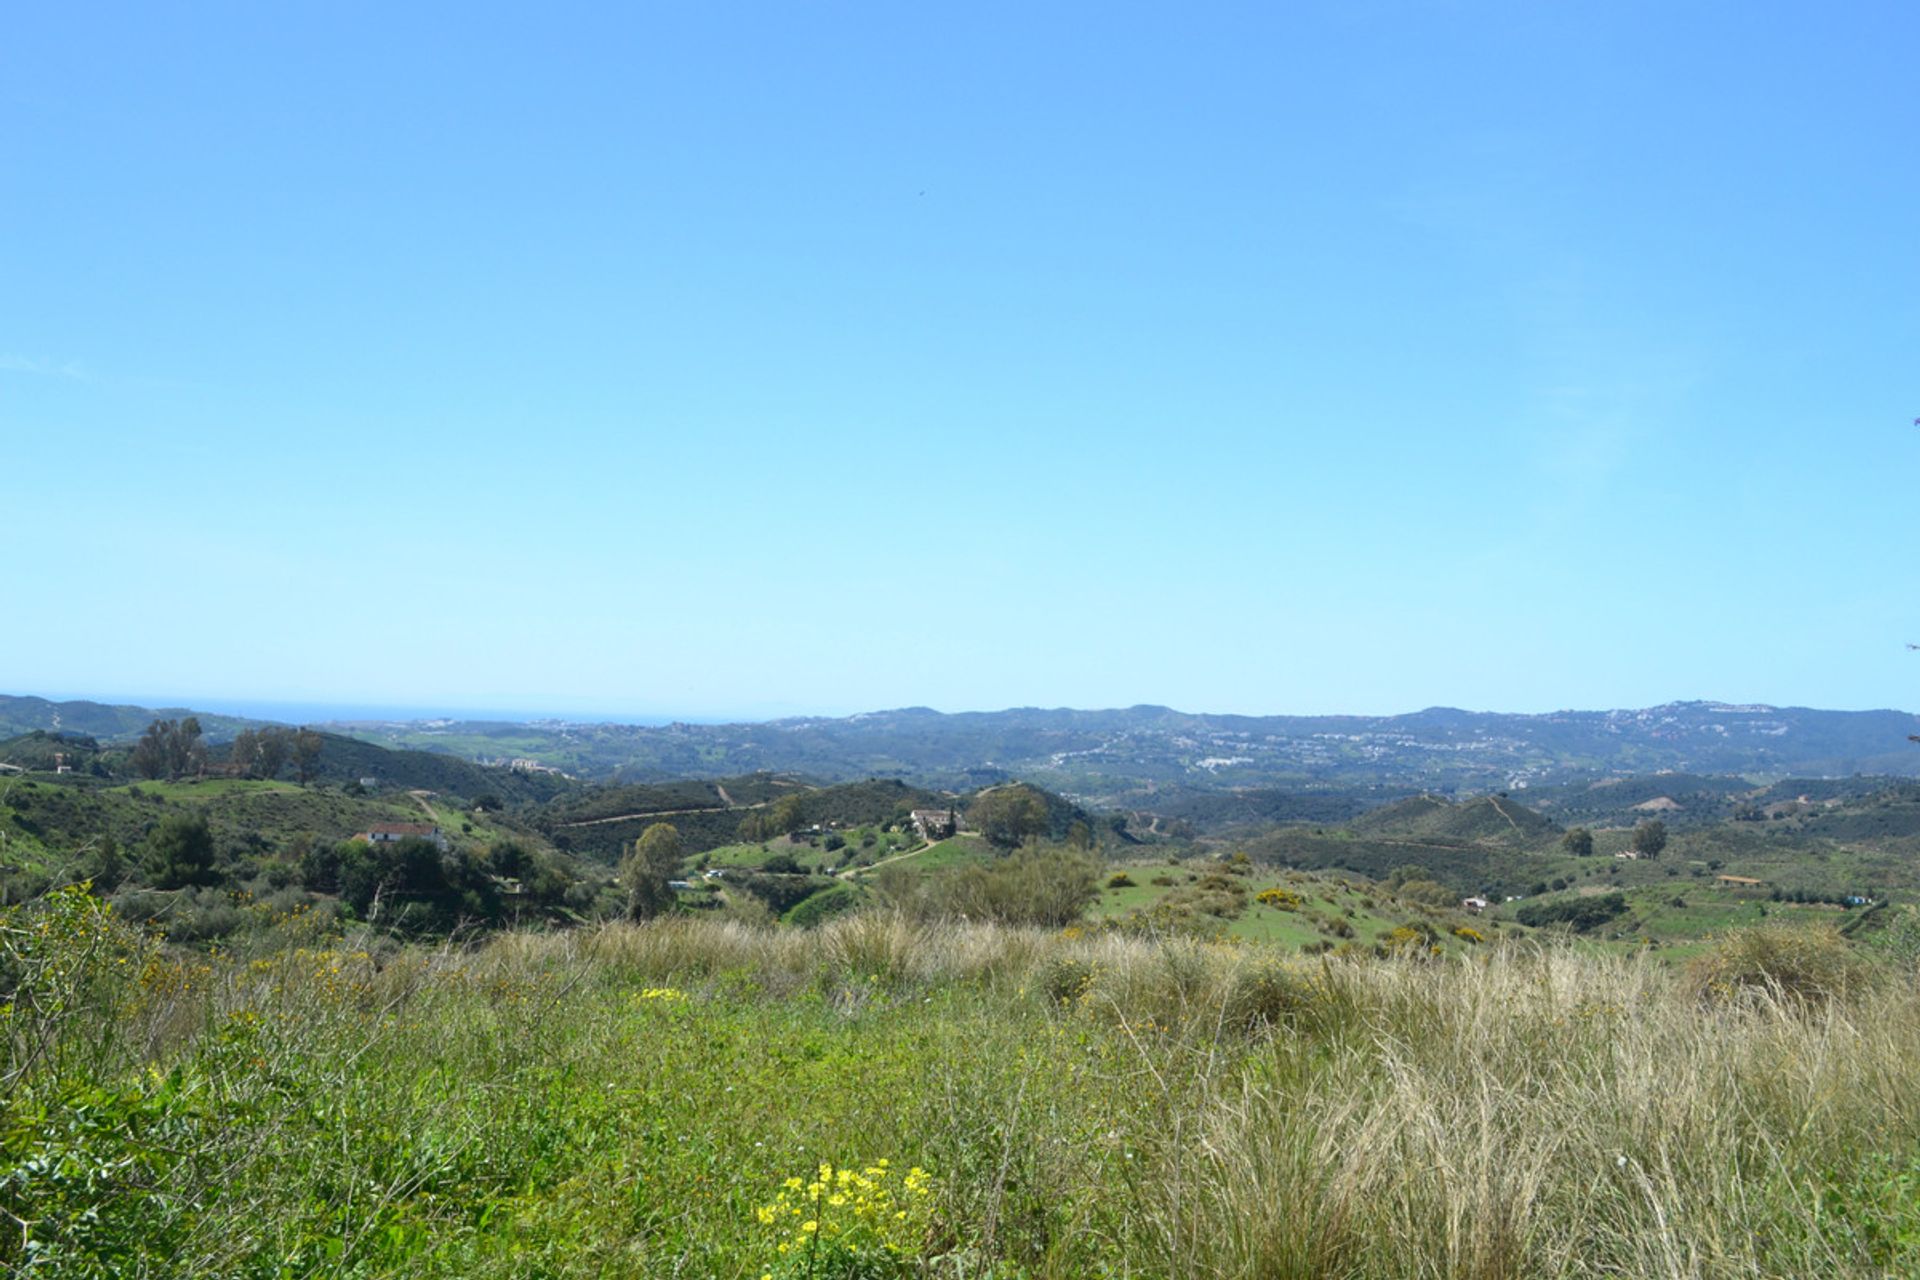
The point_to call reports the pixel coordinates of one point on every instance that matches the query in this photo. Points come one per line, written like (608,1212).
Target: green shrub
(1272,995)
(825,905)
(1581,914)
(1067,978)
(79,1173)
(1048,888)
(1808,965)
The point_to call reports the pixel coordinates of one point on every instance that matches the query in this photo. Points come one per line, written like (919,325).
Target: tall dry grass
(1097,1104)
(1542,1110)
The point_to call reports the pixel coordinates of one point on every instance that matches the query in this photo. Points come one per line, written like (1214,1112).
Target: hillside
(21,715)
(349,760)
(342,761)
(602,822)
(1208,810)
(1678,799)
(1126,758)
(1141,758)
(1496,820)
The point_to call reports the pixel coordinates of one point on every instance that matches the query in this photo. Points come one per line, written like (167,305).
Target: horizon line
(356,712)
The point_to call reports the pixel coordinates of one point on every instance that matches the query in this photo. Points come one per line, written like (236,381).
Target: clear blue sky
(718,360)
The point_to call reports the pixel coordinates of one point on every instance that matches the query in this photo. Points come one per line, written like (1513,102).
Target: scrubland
(877,1098)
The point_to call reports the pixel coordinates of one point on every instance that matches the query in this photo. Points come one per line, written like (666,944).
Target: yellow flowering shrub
(1284,899)
(847,1223)
(60,957)
(1410,940)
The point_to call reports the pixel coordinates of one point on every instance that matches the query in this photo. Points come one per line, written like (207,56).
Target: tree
(787,815)
(307,746)
(244,754)
(149,758)
(108,868)
(644,872)
(1578,842)
(414,885)
(184,753)
(180,852)
(270,752)
(1649,838)
(1008,815)
(169,749)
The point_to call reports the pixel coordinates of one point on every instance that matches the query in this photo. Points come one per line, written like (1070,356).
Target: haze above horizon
(737,363)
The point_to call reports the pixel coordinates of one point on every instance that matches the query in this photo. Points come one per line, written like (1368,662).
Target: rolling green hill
(344,760)
(601,822)
(19,715)
(1678,799)
(1136,758)
(1494,820)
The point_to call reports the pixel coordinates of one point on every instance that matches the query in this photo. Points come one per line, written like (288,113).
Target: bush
(1807,965)
(1067,978)
(782,893)
(1044,887)
(1119,880)
(1272,995)
(180,852)
(1430,893)
(825,905)
(1415,938)
(1581,914)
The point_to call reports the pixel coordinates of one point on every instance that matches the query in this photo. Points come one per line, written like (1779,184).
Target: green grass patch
(633,1102)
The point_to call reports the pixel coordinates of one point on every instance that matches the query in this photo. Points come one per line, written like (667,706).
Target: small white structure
(395,832)
(1475,904)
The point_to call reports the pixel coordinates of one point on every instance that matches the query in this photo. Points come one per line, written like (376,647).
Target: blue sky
(714,360)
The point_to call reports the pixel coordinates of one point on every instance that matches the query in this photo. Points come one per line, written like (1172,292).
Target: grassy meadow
(696,1097)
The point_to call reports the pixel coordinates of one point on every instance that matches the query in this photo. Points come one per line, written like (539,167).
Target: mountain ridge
(1123,757)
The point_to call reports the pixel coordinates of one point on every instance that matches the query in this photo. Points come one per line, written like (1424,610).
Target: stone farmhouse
(934,824)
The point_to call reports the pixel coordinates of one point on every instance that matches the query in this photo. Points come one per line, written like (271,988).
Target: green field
(1330,912)
(862,847)
(943,854)
(194,790)
(633,1101)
